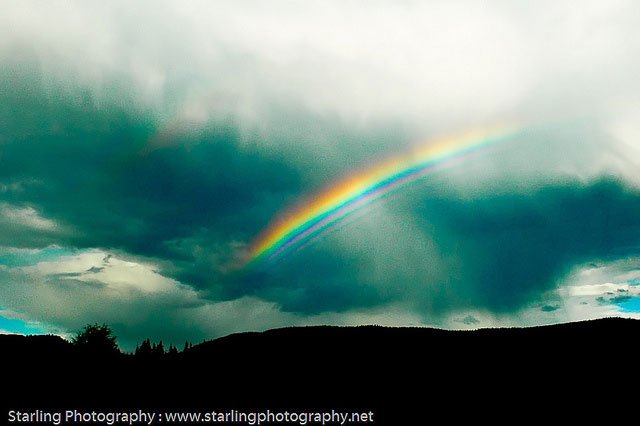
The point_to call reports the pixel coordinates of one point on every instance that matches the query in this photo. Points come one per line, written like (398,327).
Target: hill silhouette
(396,371)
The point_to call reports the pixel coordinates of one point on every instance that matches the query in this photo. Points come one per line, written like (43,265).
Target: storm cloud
(167,137)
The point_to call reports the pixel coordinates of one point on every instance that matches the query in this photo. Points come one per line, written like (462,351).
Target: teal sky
(144,147)
(13,325)
(631,305)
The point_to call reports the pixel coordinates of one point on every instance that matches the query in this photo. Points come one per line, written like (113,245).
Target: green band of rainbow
(341,200)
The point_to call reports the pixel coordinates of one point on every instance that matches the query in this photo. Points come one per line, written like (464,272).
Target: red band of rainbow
(341,200)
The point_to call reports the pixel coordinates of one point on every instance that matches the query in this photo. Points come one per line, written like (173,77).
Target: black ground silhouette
(398,372)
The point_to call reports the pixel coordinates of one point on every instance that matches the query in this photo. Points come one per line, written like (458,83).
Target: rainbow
(340,201)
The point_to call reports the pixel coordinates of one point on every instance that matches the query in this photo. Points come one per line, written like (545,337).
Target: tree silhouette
(158,349)
(96,339)
(144,351)
(173,351)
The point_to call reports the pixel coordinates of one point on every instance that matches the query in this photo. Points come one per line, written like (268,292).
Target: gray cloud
(174,134)
(427,66)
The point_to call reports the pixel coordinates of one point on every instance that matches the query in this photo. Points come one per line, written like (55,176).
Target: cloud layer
(143,147)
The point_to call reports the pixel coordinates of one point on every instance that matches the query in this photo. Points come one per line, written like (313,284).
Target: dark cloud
(141,164)
(95,175)
(469,320)
(515,246)
(322,279)
(82,172)
(620,299)
(193,202)
(500,252)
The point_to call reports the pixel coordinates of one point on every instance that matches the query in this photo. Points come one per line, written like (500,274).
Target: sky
(146,149)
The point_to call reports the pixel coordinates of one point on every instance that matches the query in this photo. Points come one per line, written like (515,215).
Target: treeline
(99,340)
(155,350)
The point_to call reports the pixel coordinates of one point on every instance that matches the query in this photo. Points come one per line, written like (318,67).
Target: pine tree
(145,350)
(173,351)
(160,349)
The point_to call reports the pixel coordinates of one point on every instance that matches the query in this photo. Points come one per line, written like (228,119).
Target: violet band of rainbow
(330,207)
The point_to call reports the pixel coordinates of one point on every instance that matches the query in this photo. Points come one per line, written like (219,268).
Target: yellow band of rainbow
(339,201)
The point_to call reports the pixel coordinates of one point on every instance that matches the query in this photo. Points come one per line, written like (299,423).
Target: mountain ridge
(385,369)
